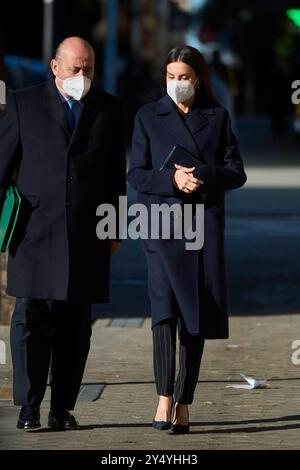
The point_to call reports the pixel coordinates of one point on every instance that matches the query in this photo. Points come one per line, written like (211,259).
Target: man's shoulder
(32,91)
(106,100)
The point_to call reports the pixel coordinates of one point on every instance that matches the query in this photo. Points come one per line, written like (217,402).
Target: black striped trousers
(164,360)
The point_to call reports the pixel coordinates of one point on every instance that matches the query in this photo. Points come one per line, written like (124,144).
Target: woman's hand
(184,179)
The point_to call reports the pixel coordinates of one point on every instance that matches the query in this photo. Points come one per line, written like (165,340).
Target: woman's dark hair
(192,57)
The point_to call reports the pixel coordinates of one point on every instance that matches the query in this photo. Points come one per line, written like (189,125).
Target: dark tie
(73,108)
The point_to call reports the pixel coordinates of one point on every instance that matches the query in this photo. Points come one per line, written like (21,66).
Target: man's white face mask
(76,87)
(180,90)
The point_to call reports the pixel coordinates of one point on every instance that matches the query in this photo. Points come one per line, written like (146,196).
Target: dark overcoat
(55,253)
(185,282)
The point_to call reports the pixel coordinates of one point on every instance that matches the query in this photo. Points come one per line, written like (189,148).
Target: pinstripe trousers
(164,360)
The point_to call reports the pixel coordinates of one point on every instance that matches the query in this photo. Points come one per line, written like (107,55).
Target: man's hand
(114,247)
(184,179)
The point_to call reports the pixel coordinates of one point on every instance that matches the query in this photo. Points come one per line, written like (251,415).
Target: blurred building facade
(254,40)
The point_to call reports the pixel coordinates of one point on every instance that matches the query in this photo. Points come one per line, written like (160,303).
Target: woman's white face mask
(180,90)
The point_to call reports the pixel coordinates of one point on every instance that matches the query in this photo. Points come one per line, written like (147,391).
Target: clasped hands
(184,180)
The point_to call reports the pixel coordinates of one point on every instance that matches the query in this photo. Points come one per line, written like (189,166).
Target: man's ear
(54,65)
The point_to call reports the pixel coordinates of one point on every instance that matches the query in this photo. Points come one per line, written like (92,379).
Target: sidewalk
(221,417)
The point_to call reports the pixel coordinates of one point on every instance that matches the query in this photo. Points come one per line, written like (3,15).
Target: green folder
(9,215)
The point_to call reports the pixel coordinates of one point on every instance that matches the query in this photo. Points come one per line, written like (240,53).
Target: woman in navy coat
(187,288)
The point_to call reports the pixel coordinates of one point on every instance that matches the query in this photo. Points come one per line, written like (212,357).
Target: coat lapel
(185,133)
(171,119)
(198,119)
(54,106)
(88,114)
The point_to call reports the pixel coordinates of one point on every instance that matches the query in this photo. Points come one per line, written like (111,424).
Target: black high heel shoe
(163,425)
(178,428)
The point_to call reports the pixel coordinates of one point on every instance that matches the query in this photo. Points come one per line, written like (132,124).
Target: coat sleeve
(231,175)
(141,175)
(9,141)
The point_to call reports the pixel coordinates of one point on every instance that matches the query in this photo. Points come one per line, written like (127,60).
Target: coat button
(68,204)
(69,178)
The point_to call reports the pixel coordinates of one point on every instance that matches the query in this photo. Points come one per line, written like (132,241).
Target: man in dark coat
(64,139)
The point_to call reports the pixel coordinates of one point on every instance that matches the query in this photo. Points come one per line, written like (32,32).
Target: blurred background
(252,48)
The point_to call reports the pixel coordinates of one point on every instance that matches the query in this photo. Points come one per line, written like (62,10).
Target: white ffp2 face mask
(180,90)
(76,87)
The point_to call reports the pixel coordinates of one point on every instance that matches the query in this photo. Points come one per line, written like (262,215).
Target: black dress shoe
(62,420)
(29,417)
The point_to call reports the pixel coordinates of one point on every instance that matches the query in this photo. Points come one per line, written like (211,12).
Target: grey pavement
(221,417)
(263,261)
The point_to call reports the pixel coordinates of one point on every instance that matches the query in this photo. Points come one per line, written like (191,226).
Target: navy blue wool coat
(184,282)
(63,178)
